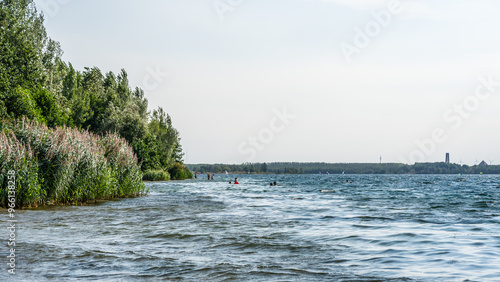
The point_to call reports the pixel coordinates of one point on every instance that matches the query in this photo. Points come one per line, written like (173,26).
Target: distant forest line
(347,168)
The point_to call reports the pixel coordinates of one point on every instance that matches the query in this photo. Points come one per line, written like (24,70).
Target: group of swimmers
(211,177)
(236,182)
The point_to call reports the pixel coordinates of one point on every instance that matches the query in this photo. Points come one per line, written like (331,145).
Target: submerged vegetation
(72,135)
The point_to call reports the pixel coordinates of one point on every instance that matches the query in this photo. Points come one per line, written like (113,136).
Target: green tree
(263,167)
(28,57)
(168,149)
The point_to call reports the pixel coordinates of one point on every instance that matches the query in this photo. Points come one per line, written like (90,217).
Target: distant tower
(447,158)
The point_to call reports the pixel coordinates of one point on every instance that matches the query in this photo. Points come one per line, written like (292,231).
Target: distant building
(447,160)
(483,163)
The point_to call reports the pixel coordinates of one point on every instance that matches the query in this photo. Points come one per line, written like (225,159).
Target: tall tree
(28,57)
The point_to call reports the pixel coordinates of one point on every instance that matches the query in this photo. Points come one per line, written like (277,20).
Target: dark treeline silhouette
(348,168)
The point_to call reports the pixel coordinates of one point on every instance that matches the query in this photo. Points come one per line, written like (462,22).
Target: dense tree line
(348,168)
(230,168)
(36,83)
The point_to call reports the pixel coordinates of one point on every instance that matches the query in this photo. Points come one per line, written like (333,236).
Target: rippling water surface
(399,228)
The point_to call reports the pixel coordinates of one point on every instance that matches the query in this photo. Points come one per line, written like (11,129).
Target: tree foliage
(36,83)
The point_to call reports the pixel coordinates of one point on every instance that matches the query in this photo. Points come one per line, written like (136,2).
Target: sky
(303,80)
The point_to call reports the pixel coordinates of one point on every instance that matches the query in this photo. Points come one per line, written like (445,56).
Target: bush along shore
(177,171)
(63,165)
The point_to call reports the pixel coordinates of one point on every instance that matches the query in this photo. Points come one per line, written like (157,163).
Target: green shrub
(180,172)
(156,175)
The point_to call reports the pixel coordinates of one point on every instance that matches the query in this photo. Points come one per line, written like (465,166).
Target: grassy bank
(65,165)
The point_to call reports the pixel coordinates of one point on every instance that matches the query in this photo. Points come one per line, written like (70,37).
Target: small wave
(392,243)
(367,226)
(407,234)
(175,235)
(374,218)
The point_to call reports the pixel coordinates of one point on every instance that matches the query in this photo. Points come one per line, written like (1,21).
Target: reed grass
(65,165)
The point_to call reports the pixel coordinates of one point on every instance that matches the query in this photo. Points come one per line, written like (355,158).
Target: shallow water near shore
(309,228)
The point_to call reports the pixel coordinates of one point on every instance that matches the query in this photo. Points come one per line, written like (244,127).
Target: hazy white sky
(303,80)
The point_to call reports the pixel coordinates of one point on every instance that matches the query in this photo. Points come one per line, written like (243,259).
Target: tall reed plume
(65,165)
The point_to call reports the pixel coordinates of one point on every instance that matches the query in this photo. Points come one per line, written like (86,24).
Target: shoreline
(345,168)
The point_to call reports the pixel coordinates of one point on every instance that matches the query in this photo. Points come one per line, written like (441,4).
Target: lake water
(378,228)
